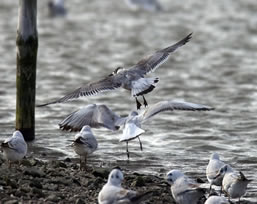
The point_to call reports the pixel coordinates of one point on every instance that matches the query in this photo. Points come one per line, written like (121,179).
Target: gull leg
(138,104)
(9,164)
(141,146)
(127,150)
(85,164)
(145,103)
(80,163)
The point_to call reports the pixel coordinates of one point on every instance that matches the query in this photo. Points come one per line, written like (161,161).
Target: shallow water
(217,68)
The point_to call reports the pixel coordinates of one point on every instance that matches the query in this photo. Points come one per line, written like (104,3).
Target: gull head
(116,71)
(86,129)
(223,170)
(173,175)
(115,177)
(18,134)
(215,156)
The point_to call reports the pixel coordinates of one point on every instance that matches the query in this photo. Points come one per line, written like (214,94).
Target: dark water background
(217,68)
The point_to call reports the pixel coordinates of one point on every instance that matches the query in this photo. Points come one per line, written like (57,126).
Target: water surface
(217,68)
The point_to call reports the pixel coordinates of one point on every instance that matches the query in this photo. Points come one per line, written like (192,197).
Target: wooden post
(27,45)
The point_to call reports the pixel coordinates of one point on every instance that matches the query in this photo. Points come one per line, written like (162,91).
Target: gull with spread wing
(132,79)
(113,193)
(101,116)
(14,148)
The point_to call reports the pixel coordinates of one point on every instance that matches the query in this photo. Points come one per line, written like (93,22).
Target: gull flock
(184,190)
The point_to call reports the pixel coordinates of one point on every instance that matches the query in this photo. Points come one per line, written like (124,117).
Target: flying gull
(132,79)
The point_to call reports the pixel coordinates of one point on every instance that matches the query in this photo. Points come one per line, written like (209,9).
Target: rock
(67,159)
(26,162)
(61,180)
(34,172)
(36,183)
(76,181)
(11,202)
(138,182)
(53,198)
(38,192)
(11,182)
(51,187)
(79,201)
(57,164)
(100,172)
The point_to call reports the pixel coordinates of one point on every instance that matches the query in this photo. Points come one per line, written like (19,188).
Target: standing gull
(101,116)
(56,8)
(184,190)
(148,5)
(84,144)
(132,79)
(14,148)
(234,183)
(113,193)
(212,170)
(216,200)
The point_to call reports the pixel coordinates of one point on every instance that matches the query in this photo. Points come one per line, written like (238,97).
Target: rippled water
(217,68)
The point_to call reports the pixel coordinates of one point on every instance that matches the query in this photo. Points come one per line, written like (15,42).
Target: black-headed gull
(101,116)
(234,183)
(113,193)
(184,190)
(14,148)
(84,144)
(132,79)
(213,168)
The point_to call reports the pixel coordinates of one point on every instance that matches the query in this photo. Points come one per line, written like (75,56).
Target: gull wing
(109,83)
(93,115)
(172,105)
(15,144)
(152,62)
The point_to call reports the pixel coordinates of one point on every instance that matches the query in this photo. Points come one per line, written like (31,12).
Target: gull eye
(112,176)
(117,176)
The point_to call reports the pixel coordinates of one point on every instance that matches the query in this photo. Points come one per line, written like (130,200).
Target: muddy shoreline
(40,178)
(61,181)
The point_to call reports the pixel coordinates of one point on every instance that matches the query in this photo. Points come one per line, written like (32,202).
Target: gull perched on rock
(212,170)
(14,148)
(216,200)
(113,193)
(148,5)
(84,143)
(101,116)
(132,79)
(184,190)
(234,183)
(56,8)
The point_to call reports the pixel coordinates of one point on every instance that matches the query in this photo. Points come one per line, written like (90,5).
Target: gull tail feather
(130,132)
